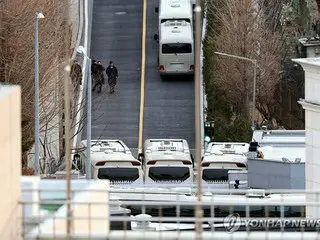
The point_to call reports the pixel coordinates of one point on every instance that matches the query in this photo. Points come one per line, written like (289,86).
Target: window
(289,211)
(169,173)
(213,210)
(215,175)
(119,174)
(174,48)
(180,19)
(255,211)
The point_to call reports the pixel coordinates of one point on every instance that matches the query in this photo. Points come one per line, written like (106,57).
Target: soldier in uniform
(98,75)
(112,73)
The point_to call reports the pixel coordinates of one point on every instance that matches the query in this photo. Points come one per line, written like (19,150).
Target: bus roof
(107,145)
(229,148)
(225,159)
(114,157)
(176,32)
(175,9)
(166,149)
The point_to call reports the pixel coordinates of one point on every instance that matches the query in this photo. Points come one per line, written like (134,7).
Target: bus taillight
(102,163)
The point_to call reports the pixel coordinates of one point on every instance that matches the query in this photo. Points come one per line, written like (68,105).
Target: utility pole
(38,16)
(197,82)
(67,145)
(67,125)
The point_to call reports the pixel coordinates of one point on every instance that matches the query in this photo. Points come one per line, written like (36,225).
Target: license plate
(177,65)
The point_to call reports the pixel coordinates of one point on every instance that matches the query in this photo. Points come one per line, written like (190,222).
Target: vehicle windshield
(169,173)
(215,175)
(119,174)
(176,48)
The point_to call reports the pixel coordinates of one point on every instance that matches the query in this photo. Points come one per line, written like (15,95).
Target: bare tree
(53,159)
(244,31)
(17,54)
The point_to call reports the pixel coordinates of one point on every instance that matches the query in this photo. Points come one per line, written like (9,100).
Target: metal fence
(147,212)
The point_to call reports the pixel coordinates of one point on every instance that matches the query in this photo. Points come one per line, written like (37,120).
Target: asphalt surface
(116,36)
(169,103)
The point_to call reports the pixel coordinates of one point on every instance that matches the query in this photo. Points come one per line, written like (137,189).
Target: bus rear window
(174,48)
(215,175)
(169,173)
(180,19)
(119,174)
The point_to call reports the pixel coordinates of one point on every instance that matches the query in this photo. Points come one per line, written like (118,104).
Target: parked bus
(167,161)
(175,10)
(216,205)
(219,159)
(176,48)
(111,159)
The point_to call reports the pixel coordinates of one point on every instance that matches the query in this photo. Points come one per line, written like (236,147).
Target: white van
(175,10)
(113,160)
(220,158)
(176,48)
(167,161)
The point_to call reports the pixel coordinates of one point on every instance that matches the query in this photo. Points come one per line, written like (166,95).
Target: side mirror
(156,37)
(156,9)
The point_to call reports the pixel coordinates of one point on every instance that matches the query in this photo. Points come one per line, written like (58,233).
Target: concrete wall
(89,213)
(10,157)
(311,104)
(268,174)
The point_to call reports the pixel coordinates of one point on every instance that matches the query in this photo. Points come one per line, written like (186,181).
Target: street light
(38,16)
(197,88)
(254,61)
(82,50)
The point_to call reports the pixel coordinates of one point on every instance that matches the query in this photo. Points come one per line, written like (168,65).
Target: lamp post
(197,82)
(38,16)
(82,50)
(254,61)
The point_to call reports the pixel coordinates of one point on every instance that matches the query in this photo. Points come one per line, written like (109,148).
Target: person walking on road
(76,74)
(98,75)
(94,66)
(112,73)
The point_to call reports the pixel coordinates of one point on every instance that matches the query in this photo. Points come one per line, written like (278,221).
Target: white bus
(176,48)
(113,160)
(220,158)
(215,205)
(175,10)
(167,161)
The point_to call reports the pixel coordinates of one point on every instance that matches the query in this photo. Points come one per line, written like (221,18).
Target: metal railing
(228,214)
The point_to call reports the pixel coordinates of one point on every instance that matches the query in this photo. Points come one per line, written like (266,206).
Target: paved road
(116,35)
(169,104)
